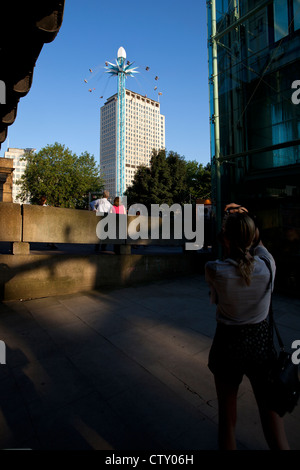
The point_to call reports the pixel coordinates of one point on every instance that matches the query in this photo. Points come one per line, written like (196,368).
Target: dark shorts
(239,350)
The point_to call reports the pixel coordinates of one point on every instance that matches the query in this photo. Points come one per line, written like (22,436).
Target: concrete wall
(36,276)
(25,275)
(57,225)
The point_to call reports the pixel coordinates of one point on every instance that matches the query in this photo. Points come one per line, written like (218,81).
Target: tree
(151,185)
(60,175)
(139,191)
(170,179)
(178,187)
(198,179)
(160,187)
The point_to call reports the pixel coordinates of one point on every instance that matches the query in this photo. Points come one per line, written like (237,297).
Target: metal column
(214,78)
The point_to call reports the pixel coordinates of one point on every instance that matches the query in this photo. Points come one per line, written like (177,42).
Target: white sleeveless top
(237,303)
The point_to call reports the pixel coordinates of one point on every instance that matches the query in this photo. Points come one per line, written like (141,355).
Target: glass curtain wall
(257,86)
(258,61)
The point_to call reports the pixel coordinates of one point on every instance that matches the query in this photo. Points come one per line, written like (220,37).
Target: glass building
(254,83)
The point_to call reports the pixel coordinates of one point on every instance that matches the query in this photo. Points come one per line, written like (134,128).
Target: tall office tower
(19,167)
(144,131)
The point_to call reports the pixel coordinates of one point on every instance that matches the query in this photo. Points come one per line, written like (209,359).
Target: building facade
(254,80)
(144,131)
(19,166)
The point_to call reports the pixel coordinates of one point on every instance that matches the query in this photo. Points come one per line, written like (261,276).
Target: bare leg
(227,402)
(273,426)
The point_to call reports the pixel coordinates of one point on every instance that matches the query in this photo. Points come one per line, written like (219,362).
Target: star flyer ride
(123,70)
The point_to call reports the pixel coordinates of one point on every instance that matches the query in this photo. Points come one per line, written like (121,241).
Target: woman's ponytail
(245,266)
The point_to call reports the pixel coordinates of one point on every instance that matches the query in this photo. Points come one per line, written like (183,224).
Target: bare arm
(233,207)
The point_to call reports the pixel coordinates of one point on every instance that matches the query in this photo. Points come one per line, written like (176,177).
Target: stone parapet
(10,222)
(35,276)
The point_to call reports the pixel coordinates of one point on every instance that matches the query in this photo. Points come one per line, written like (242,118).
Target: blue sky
(168,36)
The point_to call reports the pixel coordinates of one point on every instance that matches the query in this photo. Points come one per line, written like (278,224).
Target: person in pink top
(118,208)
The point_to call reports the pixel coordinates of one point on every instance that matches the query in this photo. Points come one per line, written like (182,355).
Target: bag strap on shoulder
(271,315)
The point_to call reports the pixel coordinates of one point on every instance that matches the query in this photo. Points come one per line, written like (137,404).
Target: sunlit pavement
(124,369)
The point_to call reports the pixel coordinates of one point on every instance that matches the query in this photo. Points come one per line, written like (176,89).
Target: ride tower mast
(123,70)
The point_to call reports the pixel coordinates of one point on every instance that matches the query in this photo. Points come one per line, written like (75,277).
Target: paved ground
(122,370)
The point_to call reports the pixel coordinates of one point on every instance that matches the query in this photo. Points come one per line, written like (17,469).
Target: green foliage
(140,189)
(60,175)
(170,179)
(198,180)
(160,187)
(178,187)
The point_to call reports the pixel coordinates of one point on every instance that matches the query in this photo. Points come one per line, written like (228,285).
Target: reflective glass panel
(281,22)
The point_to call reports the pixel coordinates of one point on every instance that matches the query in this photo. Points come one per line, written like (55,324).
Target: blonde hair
(239,231)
